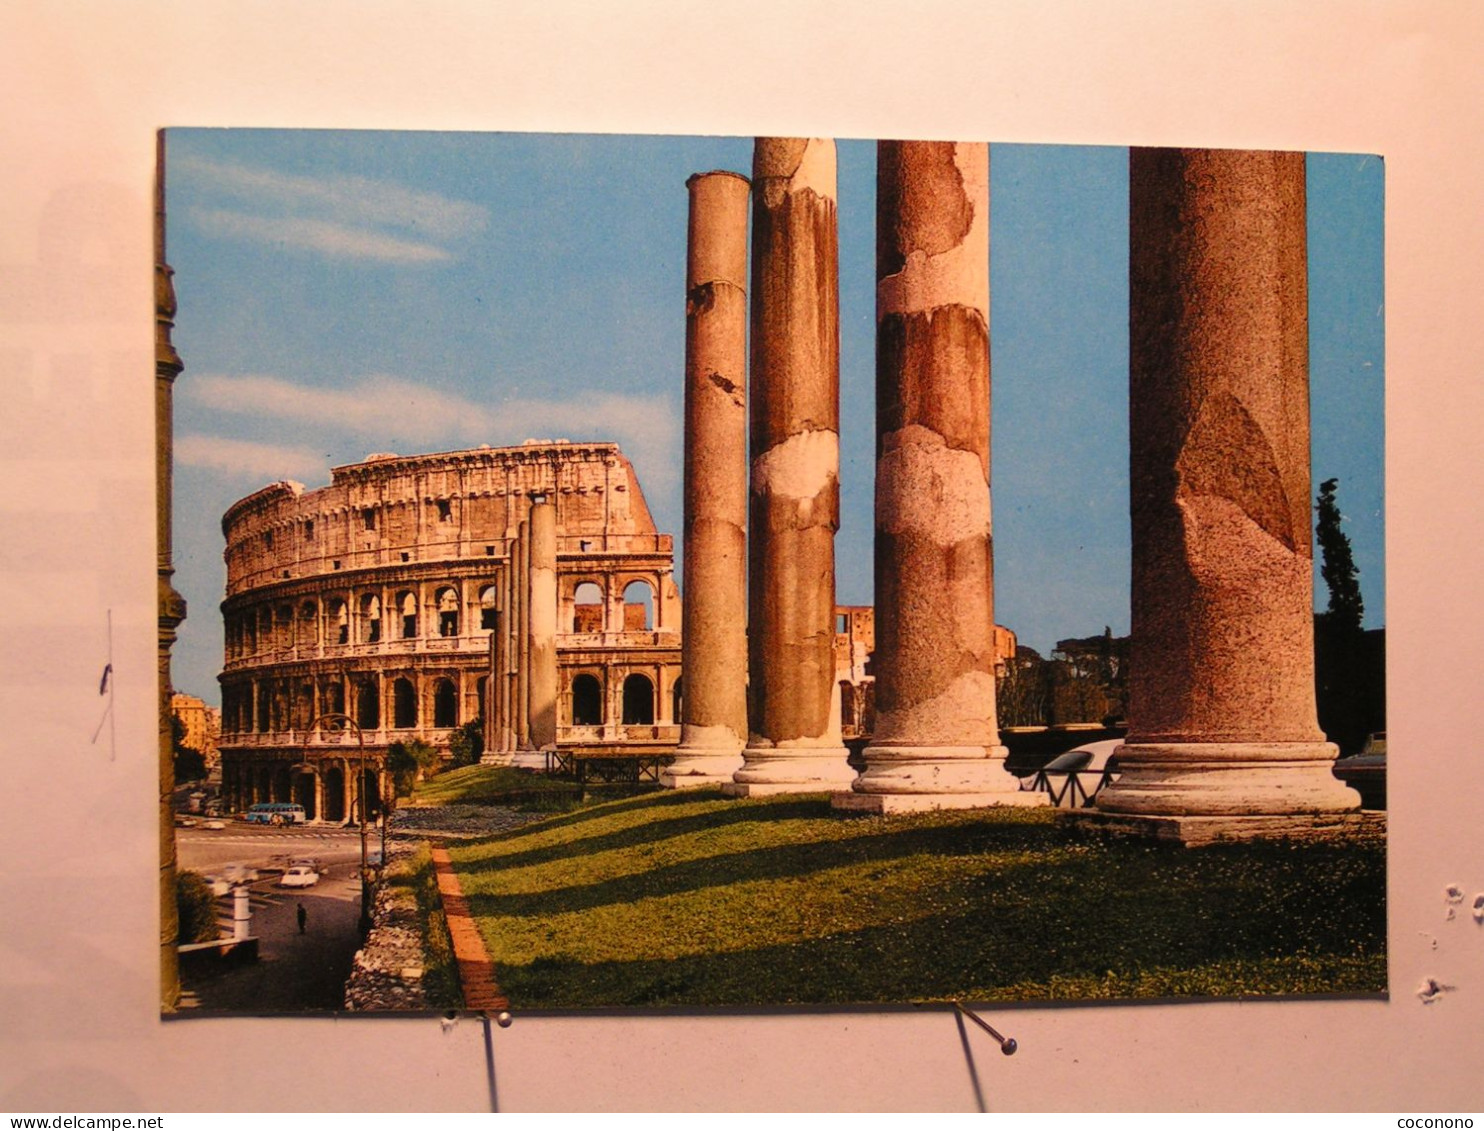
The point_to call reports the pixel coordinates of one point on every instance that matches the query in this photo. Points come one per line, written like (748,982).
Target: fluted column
(714,616)
(1221,691)
(793,721)
(936,742)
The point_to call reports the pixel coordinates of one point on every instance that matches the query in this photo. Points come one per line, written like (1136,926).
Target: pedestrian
(303,917)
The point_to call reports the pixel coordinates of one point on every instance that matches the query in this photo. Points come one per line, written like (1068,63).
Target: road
(295,972)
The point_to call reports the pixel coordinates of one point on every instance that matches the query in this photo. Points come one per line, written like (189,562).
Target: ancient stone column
(542,589)
(936,742)
(522,640)
(508,627)
(1223,739)
(714,617)
(793,743)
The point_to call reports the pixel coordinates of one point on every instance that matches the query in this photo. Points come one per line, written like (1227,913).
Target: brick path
(476,970)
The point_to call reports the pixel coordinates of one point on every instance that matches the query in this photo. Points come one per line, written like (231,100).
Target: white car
(213,824)
(218,886)
(299,876)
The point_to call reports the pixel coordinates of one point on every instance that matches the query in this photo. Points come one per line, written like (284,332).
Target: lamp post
(336,723)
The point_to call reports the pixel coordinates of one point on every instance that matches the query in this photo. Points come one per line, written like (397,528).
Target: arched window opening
(407,603)
(638,701)
(250,633)
(445,704)
(370,618)
(404,704)
(587,608)
(368,706)
(308,624)
(340,618)
(335,794)
(587,701)
(481,689)
(677,701)
(488,614)
(303,710)
(847,704)
(283,626)
(335,698)
(448,612)
(265,697)
(638,607)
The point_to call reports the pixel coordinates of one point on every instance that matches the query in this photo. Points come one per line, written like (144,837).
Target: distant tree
(1349,687)
(196,907)
(1022,692)
(190,764)
(1346,610)
(466,744)
(1089,678)
(406,762)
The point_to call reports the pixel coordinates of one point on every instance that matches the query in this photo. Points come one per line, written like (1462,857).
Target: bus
(275,813)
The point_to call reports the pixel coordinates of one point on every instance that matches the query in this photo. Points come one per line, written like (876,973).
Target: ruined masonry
(1224,740)
(714,637)
(936,743)
(793,706)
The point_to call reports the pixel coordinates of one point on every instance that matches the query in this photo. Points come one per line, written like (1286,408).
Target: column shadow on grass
(769,863)
(1114,922)
(642,833)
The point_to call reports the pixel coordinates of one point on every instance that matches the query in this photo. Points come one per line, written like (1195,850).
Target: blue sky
(343,293)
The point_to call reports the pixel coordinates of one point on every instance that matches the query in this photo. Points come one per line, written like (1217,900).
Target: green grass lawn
(496,785)
(689,899)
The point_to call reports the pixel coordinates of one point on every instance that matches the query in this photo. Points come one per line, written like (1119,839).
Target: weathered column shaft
(794,741)
(1221,690)
(936,743)
(714,616)
(508,627)
(542,590)
(523,637)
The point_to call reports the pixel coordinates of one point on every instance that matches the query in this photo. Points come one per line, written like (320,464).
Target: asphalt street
(295,972)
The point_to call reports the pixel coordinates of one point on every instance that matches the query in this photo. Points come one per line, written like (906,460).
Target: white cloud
(343,216)
(371,409)
(266,462)
(350,199)
(316,235)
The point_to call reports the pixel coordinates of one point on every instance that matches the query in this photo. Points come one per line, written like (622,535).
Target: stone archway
(638,700)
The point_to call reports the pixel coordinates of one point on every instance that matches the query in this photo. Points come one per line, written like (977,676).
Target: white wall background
(85,86)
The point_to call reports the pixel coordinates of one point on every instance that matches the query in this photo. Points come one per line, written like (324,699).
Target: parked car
(213,824)
(299,876)
(1072,780)
(217,885)
(314,863)
(1366,772)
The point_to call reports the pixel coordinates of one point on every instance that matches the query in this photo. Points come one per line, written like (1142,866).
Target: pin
(1008,1045)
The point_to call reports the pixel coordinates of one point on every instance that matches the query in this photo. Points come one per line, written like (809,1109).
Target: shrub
(196,907)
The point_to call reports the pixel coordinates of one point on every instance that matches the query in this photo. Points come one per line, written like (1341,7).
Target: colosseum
(382,598)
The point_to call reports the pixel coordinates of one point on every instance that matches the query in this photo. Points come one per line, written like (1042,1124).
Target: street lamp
(336,723)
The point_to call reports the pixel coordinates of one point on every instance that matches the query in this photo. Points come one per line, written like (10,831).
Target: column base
(528,760)
(701,762)
(886,804)
(772,770)
(1198,831)
(911,779)
(1226,779)
(698,770)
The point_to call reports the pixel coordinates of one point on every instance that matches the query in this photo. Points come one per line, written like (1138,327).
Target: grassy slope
(493,785)
(685,898)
